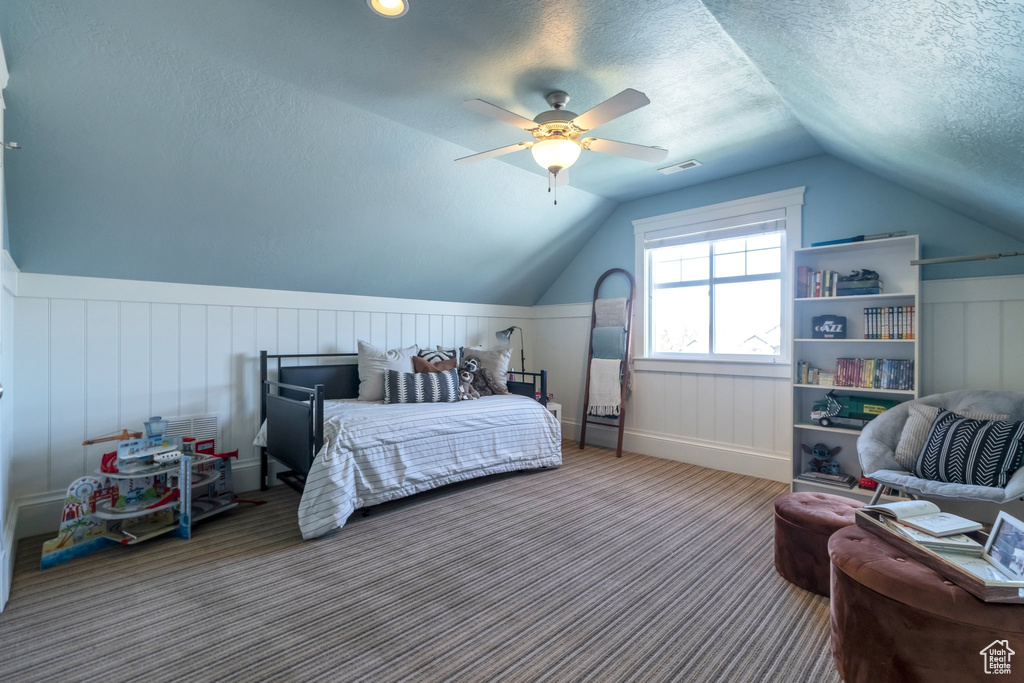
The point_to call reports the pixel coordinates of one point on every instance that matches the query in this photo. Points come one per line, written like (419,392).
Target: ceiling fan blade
(626,101)
(503,115)
(507,149)
(651,155)
(560,180)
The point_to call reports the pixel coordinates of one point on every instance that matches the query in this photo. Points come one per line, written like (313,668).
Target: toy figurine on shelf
(821,458)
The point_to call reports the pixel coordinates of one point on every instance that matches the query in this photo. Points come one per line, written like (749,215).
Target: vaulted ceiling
(309,144)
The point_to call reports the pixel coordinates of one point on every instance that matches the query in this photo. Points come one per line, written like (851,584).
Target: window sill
(751,368)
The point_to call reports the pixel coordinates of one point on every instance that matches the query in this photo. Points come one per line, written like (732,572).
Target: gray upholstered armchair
(877,443)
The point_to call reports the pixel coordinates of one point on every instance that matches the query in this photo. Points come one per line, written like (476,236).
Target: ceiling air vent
(676,168)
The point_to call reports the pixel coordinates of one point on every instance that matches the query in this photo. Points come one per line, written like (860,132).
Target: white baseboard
(8,550)
(41,514)
(718,456)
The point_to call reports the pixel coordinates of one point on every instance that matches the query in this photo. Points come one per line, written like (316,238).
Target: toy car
(862,408)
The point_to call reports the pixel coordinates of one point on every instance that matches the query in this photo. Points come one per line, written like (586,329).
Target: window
(713,285)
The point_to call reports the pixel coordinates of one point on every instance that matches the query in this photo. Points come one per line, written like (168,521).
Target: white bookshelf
(890,258)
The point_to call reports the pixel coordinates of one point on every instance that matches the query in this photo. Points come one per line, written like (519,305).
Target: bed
(343,454)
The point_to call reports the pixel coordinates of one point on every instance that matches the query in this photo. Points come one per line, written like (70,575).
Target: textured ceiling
(309,144)
(928,94)
(708,101)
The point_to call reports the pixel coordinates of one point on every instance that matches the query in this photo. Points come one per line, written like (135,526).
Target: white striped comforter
(374,453)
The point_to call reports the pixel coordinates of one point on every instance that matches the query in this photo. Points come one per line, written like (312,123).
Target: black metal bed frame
(295,413)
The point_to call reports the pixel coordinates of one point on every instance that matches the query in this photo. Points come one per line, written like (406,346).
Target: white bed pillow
(373,363)
(496,361)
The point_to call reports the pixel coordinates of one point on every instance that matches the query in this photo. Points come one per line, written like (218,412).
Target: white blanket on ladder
(605,387)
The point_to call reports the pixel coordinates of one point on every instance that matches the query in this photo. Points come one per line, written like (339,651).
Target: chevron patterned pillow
(421,387)
(964,451)
(439,355)
(919,426)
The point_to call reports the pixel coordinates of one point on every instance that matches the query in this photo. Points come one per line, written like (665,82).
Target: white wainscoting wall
(973,334)
(717,417)
(972,337)
(8,507)
(95,356)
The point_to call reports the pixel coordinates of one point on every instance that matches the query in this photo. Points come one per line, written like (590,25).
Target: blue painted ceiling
(928,94)
(309,144)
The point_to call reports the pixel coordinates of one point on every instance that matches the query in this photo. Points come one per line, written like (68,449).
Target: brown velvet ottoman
(803,524)
(894,619)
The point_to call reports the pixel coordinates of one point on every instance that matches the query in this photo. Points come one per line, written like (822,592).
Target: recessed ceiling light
(389,8)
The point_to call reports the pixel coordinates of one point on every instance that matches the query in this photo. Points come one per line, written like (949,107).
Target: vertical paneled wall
(708,417)
(93,356)
(7,491)
(972,337)
(89,366)
(973,334)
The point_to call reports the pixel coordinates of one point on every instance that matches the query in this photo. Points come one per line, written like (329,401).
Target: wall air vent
(199,426)
(676,168)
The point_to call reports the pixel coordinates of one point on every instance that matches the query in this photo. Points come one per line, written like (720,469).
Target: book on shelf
(875,373)
(925,516)
(957,543)
(845,481)
(861,238)
(889,322)
(805,374)
(867,283)
(813,284)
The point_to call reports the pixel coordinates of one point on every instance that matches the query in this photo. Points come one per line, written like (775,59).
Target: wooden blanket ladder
(625,379)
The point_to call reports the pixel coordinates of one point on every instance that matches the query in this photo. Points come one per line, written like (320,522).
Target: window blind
(773,220)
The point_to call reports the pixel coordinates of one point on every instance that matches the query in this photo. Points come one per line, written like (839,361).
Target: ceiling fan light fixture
(389,8)
(556,154)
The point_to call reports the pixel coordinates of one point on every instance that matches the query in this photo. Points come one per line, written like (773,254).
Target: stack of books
(871,373)
(889,322)
(812,284)
(805,374)
(859,287)
(957,543)
(840,481)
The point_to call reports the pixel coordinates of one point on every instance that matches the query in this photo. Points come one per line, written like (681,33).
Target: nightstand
(556,410)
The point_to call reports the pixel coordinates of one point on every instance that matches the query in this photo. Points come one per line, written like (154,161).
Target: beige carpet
(606,569)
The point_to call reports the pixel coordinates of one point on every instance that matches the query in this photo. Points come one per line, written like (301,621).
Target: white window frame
(689,222)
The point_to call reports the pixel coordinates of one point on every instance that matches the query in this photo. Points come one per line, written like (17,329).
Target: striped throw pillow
(421,387)
(918,426)
(978,452)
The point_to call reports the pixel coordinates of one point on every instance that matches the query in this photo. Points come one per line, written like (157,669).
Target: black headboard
(340,381)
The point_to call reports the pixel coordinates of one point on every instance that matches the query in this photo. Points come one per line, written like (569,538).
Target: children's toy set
(146,488)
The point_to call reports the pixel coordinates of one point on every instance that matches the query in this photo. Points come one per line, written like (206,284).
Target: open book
(926,517)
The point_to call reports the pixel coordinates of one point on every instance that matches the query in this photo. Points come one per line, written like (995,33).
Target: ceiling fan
(558,133)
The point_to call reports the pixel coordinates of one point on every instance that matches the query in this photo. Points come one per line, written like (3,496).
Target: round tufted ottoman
(894,619)
(803,524)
